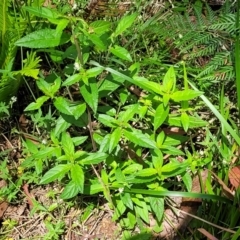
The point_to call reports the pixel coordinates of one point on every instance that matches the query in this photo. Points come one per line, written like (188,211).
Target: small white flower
(120,190)
(74,7)
(13,99)
(180,35)
(44,141)
(77,66)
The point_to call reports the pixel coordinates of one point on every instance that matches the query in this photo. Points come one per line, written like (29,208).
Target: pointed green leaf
(185,95)
(121,53)
(139,138)
(55,172)
(67,144)
(77,176)
(185,121)
(146,172)
(160,115)
(70,191)
(72,79)
(62,105)
(114,139)
(43,38)
(39,102)
(169,81)
(100,26)
(157,205)
(124,23)
(94,158)
(90,94)
(42,12)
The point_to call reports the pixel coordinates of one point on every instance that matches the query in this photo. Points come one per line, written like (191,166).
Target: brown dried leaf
(234,176)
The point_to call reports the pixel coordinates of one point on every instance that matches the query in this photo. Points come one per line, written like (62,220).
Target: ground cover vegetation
(119,120)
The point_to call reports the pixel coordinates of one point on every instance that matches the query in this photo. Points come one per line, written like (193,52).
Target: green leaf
(139,138)
(185,121)
(42,12)
(100,26)
(133,168)
(160,115)
(187,179)
(121,53)
(194,122)
(93,72)
(114,139)
(185,95)
(62,105)
(157,206)
(39,102)
(55,172)
(143,212)
(146,172)
(67,144)
(70,191)
(78,109)
(169,81)
(77,176)
(44,87)
(79,140)
(127,200)
(96,40)
(72,79)
(124,23)
(129,113)
(107,120)
(90,94)
(61,126)
(43,38)
(94,158)
(120,209)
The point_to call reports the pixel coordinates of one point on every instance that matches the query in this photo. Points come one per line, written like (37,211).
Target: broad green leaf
(160,115)
(62,105)
(94,158)
(61,126)
(104,176)
(146,172)
(185,121)
(140,180)
(44,153)
(194,122)
(127,200)
(124,23)
(96,40)
(120,209)
(119,176)
(107,120)
(44,87)
(169,81)
(39,102)
(77,176)
(90,94)
(78,109)
(114,139)
(160,138)
(67,144)
(104,146)
(143,212)
(93,72)
(132,168)
(157,160)
(129,113)
(79,140)
(70,191)
(147,85)
(185,95)
(157,205)
(42,12)
(55,86)
(72,79)
(121,53)
(100,26)
(43,38)
(171,150)
(187,179)
(55,172)
(139,138)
